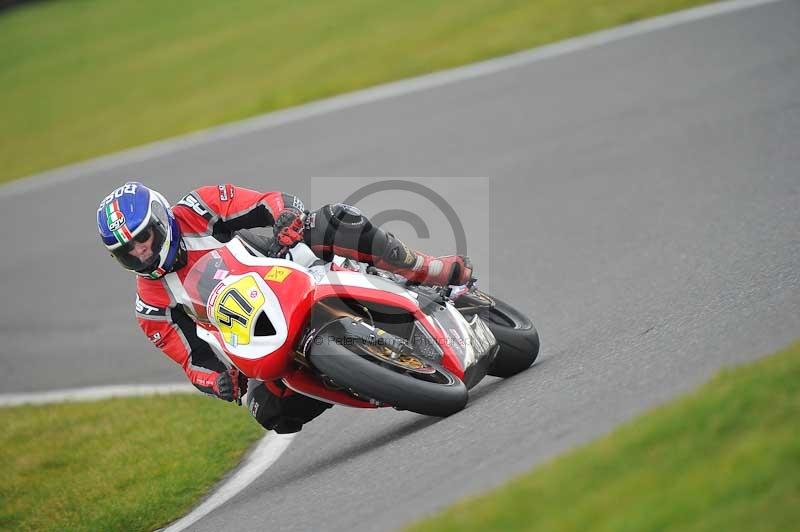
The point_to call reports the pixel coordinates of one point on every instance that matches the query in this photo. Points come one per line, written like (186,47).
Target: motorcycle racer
(160,243)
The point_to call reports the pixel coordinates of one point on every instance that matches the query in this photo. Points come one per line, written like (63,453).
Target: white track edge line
(364,96)
(258,460)
(93,393)
(266,452)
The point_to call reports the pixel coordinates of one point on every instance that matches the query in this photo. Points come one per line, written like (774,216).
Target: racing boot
(420,268)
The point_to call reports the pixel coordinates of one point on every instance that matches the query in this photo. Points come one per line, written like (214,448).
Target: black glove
(288,227)
(228,385)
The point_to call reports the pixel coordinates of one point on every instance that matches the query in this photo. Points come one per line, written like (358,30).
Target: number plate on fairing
(234,308)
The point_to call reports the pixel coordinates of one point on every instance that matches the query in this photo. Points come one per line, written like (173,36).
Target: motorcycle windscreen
(202,279)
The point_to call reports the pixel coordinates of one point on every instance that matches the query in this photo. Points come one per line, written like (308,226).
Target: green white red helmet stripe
(113,214)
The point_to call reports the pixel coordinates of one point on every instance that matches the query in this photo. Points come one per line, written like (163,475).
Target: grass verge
(726,457)
(121,464)
(80,79)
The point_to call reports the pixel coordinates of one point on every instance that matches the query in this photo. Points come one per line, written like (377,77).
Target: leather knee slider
(346,216)
(337,225)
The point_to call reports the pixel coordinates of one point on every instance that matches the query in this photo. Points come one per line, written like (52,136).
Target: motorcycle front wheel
(406,382)
(518,338)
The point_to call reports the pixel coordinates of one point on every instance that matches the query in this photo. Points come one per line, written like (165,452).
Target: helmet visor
(142,253)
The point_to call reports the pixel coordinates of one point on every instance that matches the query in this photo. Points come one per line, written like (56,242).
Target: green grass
(80,79)
(122,464)
(725,458)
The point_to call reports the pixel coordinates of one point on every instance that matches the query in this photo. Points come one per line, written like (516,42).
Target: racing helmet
(138,228)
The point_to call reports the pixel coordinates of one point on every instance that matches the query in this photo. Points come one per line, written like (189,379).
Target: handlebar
(276,250)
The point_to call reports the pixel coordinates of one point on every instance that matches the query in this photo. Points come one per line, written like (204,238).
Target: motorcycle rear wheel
(429,389)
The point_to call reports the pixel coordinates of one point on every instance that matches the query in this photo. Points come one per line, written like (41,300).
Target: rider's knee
(283,415)
(344,227)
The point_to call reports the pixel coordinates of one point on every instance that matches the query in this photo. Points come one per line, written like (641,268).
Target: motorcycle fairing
(221,282)
(290,291)
(462,344)
(303,382)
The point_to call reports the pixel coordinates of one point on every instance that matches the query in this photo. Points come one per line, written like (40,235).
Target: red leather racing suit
(207,218)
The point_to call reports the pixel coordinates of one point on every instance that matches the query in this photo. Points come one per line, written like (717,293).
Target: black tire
(388,385)
(518,339)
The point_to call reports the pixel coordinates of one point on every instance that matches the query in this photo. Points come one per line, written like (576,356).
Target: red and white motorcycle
(349,334)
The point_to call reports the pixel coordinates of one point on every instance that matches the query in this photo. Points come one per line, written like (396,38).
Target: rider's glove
(230,385)
(288,227)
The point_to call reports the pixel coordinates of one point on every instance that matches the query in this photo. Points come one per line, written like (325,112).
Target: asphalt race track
(644,209)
